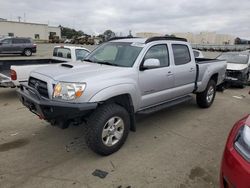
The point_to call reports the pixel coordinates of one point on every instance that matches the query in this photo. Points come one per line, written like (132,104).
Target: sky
(161,16)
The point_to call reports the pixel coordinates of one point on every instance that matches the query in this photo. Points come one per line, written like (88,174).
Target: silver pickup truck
(119,79)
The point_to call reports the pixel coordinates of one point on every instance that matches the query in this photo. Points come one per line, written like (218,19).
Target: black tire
(242,86)
(27,52)
(95,126)
(201,98)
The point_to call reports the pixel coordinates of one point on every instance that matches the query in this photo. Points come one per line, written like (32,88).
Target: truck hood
(78,71)
(235,66)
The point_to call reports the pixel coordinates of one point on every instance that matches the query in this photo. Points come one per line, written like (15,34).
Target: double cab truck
(119,79)
(13,72)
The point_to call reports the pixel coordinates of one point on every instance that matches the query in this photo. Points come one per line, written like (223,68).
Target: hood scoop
(67,65)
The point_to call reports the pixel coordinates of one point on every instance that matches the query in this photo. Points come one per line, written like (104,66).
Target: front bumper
(52,110)
(235,81)
(236,77)
(235,171)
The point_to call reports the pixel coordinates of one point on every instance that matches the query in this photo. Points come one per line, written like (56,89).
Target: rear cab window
(196,54)
(181,54)
(62,52)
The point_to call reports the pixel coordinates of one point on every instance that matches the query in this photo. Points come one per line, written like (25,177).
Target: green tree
(108,34)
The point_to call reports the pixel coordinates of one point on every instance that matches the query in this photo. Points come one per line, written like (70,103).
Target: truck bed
(205,67)
(206,60)
(6,64)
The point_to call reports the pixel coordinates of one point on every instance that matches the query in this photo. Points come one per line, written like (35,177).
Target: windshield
(121,54)
(234,58)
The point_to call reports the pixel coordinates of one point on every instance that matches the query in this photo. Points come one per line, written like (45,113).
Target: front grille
(233,74)
(40,86)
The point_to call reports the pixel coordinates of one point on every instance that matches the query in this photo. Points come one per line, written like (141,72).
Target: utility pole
(19,18)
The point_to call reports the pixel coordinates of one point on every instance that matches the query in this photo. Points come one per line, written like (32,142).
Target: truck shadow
(10,55)
(73,138)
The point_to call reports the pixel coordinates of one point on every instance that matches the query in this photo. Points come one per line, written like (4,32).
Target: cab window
(159,52)
(181,54)
(62,52)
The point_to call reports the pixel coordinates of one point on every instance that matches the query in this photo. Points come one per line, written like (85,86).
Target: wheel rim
(28,52)
(210,94)
(112,131)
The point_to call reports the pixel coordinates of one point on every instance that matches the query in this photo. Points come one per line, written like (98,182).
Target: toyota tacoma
(119,79)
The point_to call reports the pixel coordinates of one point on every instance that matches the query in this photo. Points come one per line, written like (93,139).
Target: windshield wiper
(88,60)
(106,63)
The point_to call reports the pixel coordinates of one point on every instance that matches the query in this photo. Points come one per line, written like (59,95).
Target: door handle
(169,73)
(191,70)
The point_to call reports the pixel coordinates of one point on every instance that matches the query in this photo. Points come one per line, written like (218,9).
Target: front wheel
(206,98)
(107,129)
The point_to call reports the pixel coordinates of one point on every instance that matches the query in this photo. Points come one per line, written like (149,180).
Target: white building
(32,30)
(148,34)
(207,38)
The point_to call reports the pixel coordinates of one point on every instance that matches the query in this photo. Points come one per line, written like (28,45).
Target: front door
(155,83)
(6,46)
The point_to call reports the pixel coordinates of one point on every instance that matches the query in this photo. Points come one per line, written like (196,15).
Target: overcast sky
(163,16)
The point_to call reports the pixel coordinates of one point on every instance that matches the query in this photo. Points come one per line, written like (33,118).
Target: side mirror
(151,63)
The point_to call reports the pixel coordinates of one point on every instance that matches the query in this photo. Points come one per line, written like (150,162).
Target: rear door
(155,84)
(18,45)
(185,69)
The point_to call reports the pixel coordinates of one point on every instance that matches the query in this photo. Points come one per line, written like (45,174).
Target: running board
(165,105)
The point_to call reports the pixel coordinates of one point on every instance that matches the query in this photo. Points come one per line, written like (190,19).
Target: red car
(235,167)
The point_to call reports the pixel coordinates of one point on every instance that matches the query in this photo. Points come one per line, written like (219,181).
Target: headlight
(68,91)
(242,143)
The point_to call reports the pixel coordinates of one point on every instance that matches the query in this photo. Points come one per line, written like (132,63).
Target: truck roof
(147,40)
(71,47)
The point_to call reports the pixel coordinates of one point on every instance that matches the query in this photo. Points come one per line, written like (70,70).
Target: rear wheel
(107,129)
(27,52)
(206,98)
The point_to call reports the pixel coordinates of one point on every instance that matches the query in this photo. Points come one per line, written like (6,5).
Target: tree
(70,33)
(108,34)
(130,34)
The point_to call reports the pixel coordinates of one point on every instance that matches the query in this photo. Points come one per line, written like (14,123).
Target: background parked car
(12,72)
(235,167)
(68,41)
(24,46)
(237,67)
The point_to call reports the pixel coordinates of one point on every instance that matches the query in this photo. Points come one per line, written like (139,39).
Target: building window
(37,36)
(11,34)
